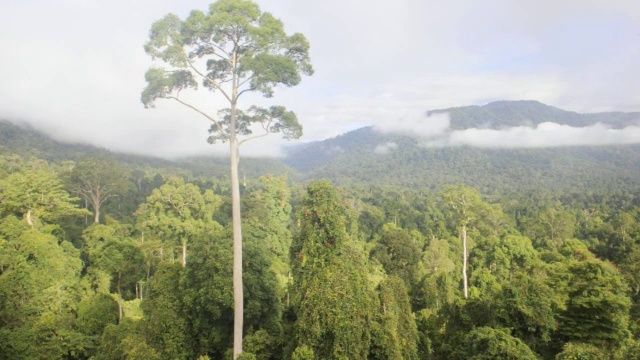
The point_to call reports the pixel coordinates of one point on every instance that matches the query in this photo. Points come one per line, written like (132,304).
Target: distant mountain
(355,156)
(502,114)
(368,157)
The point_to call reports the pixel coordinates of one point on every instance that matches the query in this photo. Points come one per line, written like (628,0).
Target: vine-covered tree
(332,299)
(233,49)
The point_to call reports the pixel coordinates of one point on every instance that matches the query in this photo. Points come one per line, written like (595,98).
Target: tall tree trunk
(463,233)
(238,296)
(96,217)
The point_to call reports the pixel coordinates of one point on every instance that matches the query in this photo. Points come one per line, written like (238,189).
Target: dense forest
(103,257)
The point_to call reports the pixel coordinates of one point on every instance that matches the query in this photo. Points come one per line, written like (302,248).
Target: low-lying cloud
(435,131)
(385,148)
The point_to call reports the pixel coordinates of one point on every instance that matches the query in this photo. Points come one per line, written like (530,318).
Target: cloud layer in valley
(385,148)
(435,131)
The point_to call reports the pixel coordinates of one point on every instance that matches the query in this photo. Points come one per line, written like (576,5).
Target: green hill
(28,142)
(351,157)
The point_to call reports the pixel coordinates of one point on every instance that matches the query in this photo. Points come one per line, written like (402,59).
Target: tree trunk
(238,295)
(96,202)
(29,220)
(96,218)
(184,253)
(464,260)
(119,300)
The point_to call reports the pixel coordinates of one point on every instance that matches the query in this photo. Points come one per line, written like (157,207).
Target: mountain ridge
(353,157)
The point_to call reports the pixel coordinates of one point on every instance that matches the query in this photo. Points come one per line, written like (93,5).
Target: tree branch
(245,80)
(205,76)
(243,91)
(220,129)
(223,51)
(266,128)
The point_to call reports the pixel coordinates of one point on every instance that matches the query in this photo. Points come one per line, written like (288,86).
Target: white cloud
(383,149)
(546,134)
(79,75)
(435,131)
(416,125)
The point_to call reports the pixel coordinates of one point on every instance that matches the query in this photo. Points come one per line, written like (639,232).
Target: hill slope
(353,157)
(28,142)
(501,114)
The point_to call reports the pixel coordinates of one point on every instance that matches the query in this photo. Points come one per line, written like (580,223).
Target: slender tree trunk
(464,260)
(119,299)
(238,296)
(86,206)
(184,253)
(95,200)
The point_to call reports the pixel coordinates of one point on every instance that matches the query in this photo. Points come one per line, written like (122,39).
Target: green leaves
(244,50)
(162,84)
(36,193)
(275,119)
(166,41)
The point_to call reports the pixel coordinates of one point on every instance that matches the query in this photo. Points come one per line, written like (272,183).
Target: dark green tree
(333,302)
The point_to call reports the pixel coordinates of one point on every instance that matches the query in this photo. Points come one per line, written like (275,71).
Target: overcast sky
(75,67)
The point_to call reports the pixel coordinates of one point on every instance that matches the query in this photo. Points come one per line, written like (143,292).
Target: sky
(75,68)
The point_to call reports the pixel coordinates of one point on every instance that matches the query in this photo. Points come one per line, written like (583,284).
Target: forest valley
(104,260)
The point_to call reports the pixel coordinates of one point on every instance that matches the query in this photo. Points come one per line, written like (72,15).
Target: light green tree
(178,211)
(38,294)
(466,205)
(36,193)
(97,180)
(231,50)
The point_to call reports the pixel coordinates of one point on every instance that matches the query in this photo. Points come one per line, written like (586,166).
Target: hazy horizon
(76,67)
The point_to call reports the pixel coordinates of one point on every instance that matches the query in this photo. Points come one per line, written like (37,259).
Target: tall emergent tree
(466,204)
(231,50)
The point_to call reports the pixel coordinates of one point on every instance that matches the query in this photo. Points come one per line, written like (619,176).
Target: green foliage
(165,324)
(95,313)
(398,253)
(334,317)
(597,311)
(98,179)
(246,356)
(261,345)
(177,213)
(333,303)
(322,232)
(38,294)
(240,46)
(485,343)
(267,216)
(397,335)
(579,351)
(36,193)
(303,352)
